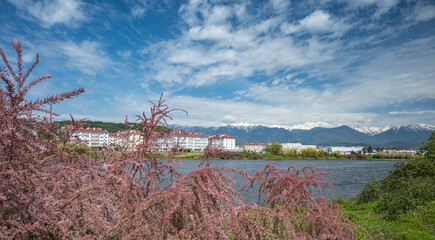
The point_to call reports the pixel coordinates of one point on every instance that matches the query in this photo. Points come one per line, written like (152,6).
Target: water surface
(349,175)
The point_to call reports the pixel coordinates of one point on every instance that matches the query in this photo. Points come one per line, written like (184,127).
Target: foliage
(416,224)
(108,126)
(407,186)
(76,148)
(135,194)
(273,148)
(399,155)
(310,152)
(400,206)
(428,148)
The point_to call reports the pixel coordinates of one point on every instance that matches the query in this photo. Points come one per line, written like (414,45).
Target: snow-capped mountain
(377,130)
(371,131)
(411,136)
(420,127)
(300,126)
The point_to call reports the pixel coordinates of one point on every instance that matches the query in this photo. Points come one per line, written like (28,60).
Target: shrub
(134,194)
(407,186)
(310,153)
(273,148)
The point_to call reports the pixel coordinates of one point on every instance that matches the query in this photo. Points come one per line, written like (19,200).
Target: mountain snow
(376,130)
(301,126)
(242,125)
(371,131)
(420,127)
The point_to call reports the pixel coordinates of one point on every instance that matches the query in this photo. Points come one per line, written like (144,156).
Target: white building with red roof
(255,147)
(181,140)
(94,137)
(223,141)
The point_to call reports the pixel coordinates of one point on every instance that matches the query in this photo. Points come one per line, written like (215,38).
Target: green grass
(418,223)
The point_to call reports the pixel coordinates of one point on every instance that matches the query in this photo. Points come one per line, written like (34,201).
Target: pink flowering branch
(50,192)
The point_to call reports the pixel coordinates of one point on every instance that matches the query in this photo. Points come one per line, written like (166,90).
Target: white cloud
(424,12)
(412,112)
(52,12)
(124,54)
(138,11)
(225,111)
(88,56)
(280,6)
(318,21)
(382,6)
(232,54)
(223,43)
(394,76)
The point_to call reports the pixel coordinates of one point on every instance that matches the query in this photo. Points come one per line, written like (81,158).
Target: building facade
(223,141)
(181,140)
(93,137)
(254,147)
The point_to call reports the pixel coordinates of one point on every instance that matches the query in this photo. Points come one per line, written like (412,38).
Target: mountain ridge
(409,136)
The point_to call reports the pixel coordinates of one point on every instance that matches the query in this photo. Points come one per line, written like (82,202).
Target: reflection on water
(349,175)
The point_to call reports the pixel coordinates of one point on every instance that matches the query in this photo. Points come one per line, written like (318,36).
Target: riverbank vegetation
(401,202)
(309,153)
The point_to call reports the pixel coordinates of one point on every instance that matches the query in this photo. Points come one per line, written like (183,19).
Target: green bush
(274,148)
(408,185)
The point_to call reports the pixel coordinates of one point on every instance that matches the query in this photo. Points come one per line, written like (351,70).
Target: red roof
(220,135)
(83,129)
(255,144)
(192,134)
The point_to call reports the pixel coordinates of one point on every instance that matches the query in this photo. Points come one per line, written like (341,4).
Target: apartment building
(254,147)
(343,149)
(93,137)
(297,146)
(96,137)
(223,141)
(181,140)
(131,138)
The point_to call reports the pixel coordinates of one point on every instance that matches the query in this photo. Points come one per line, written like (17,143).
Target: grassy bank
(418,223)
(402,204)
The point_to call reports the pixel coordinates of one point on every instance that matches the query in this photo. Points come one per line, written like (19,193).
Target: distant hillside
(343,135)
(110,127)
(256,134)
(411,136)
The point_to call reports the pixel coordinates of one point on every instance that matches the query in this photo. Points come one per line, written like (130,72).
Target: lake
(349,175)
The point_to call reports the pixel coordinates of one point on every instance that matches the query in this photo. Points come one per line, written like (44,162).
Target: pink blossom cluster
(47,192)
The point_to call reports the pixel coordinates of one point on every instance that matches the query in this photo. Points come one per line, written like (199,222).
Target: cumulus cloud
(52,12)
(214,47)
(395,75)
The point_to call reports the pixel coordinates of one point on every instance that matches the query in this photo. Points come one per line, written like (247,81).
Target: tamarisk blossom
(48,191)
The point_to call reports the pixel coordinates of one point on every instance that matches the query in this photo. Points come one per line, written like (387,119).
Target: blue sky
(306,63)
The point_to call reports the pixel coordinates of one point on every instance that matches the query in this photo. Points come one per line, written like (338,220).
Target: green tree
(370,149)
(310,153)
(429,148)
(274,148)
